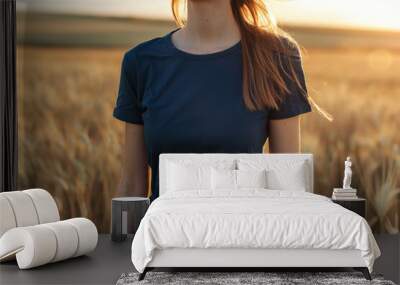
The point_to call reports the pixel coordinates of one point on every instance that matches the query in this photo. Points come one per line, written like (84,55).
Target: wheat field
(71,145)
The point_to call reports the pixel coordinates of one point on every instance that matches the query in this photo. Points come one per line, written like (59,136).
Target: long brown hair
(261,40)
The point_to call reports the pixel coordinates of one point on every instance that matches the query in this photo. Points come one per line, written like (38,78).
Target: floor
(389,262)
(103,266)
(110,260)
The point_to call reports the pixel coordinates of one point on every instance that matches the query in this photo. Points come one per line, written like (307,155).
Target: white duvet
(252,218)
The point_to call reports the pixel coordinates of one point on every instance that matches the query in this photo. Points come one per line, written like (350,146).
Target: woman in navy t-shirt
(222,83)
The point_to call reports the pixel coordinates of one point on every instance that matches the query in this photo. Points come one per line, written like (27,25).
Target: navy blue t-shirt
(192,103)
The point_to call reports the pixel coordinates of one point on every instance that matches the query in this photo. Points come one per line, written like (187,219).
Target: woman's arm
(134,179)
(284,135)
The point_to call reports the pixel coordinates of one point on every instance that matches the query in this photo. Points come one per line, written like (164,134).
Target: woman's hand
(134,179)
(284,135)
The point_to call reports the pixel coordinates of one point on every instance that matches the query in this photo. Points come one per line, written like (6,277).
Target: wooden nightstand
(358,205)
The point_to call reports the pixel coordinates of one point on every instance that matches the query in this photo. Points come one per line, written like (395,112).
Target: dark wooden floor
(103,266)
(110,260)
(389,262)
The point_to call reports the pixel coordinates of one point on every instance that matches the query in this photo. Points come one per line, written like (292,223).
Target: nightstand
(358,205)
(126,214)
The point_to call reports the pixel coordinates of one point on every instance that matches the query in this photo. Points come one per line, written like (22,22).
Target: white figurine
(347,174)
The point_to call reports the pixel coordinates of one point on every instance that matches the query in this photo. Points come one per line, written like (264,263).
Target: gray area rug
(231,278)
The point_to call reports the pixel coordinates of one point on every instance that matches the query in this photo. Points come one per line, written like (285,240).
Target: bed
(245,211)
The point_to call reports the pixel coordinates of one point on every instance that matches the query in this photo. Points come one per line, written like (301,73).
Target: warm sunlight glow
(378,14)
(370,14)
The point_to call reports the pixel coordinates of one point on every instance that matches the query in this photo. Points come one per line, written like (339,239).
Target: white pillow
(181,177)
(223,179)
(293,179)
(187,174)
(281,174)
(237,179)
(251,178)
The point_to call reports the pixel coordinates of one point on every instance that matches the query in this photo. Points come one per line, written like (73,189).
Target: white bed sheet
(250,218)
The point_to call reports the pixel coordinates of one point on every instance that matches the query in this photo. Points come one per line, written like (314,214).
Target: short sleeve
(296,101)
(127,107)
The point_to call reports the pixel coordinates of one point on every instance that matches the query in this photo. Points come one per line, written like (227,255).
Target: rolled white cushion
(33,246)
(26,208)
(7,218)
(46,207)
(45,243)
(23,208)
(87,234)
(67,240)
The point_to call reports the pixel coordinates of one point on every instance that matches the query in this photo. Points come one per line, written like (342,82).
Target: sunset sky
(375,14)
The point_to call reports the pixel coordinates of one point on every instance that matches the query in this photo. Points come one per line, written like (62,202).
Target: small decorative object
(126,214)
(347,174)
(347,192)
